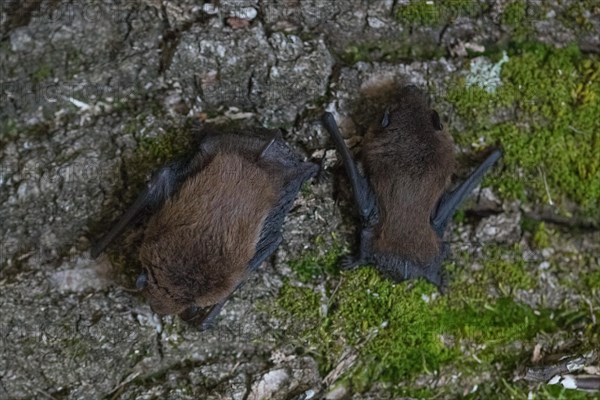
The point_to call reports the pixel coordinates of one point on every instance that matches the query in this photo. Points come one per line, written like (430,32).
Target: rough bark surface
(84,86)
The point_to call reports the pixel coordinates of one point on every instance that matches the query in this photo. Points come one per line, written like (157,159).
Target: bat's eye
(435,120)
(142,281)
(385,121)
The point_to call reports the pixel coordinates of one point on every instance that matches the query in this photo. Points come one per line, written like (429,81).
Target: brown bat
(215,218)
(402,200)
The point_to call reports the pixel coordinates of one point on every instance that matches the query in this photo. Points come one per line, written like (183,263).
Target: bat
(214,218)
(402,198)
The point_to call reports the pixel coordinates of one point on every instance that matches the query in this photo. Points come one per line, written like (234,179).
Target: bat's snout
(142,281)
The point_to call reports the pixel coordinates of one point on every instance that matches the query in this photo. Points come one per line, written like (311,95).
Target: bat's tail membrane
(451,200)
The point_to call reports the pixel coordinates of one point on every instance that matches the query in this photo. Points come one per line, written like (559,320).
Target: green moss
(459,216)
(550,100)
(401,48)
(514,13)
(164,147)
(509,389)
(41,73)
(578,15)
(306,188)
(403,330)
(300,301)
(419,12)
(427,13)
(528,224)
(541,233)
(515,16)
(557,392)
(499,322)
(314,264)
(356,53)
(541,236)
(154,151)
(504,270)
(592,280)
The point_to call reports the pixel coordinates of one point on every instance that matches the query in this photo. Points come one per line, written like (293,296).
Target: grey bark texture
(84,85)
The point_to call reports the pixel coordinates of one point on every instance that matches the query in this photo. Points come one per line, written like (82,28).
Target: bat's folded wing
(451,200)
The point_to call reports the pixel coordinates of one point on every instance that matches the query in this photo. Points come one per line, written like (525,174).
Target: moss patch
(428,13)
(42,73)
(316,263)
(545,117)
(579,14)
(515,13)
(401,48)
(161,149)
(502,270)
(401,331)
(153,152)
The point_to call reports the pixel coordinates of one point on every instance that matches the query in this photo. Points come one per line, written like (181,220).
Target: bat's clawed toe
(196,317)
(322,175)
(206,325)
(438,278)
(349,263)
(95,251)
(142,281)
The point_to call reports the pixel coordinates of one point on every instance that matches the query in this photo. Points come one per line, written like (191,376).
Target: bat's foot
(400,270)
(197,317)
(202,318)
(322,175)
(444,280)
(350,263)
(206,325)
(95,250)
(437,277)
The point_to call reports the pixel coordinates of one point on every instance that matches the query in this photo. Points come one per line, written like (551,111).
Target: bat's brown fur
(409,164)
(200,242)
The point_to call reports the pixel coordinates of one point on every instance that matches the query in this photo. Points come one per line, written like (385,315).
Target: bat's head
(173,281)
(411,115)
(164,299)
(411,135)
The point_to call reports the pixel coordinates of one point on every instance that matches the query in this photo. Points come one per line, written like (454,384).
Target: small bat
(402,199)
(214,219)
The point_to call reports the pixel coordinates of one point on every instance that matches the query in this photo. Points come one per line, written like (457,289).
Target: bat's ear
(385,121)
(142,281)
(278,134)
